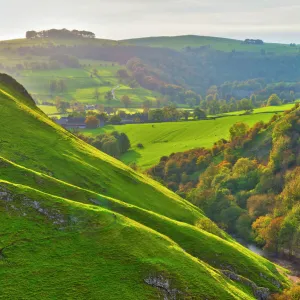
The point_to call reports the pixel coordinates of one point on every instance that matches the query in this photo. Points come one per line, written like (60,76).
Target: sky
(270,20)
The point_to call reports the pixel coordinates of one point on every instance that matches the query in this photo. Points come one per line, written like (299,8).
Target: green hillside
(85,226)
(13,45)
(222,44)
(81,83)
(166,138)
(81,87)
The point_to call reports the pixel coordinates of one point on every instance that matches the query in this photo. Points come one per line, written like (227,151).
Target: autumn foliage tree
(268,231)
(92,122)
(238,130)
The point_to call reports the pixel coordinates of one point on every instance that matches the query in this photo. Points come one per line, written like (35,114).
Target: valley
(91,200)
(128,166)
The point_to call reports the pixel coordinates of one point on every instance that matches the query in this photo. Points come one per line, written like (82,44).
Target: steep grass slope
(84,225)
(166,138)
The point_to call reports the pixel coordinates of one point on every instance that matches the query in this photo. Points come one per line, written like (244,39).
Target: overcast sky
(271,20)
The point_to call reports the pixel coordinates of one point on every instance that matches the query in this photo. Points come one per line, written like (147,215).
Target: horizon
(4,39)
(116,20)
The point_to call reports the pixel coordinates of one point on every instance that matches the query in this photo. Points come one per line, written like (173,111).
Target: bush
(114,144)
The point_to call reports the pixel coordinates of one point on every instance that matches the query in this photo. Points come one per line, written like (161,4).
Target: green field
(267,109)
(81,87)
(84,225)
(166,138)
(222,44)
(271,109)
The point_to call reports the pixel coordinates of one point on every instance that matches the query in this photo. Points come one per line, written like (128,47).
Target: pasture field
(81,85)
(48,109)
(160,139)
(267,109)
(271,109)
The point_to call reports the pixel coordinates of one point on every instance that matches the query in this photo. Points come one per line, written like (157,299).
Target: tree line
(114,144)
(116,117)
(59,34)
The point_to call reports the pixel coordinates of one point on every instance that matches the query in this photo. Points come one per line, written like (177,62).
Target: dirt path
(113,92)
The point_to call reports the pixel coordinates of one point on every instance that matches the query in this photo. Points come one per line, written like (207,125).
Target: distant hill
(166,68)
(83,225)
(153,72)
(217,43)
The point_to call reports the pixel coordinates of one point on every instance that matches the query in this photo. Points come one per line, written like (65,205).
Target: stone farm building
(74,123)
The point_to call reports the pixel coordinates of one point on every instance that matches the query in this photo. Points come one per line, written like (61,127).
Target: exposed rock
(94,201)
(227,267)
(164,286)
(5,195)
(273,281)
(259,292)
(21,204)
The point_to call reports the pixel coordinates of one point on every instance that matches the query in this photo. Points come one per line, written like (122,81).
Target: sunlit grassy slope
(222,44)
(165,138)
(77,224)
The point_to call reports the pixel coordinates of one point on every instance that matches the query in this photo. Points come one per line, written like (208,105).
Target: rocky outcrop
(164,286)
(273,281)
(259,292)
(22,205)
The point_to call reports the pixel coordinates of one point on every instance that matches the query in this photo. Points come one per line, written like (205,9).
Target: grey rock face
(259,292)
(164,285)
